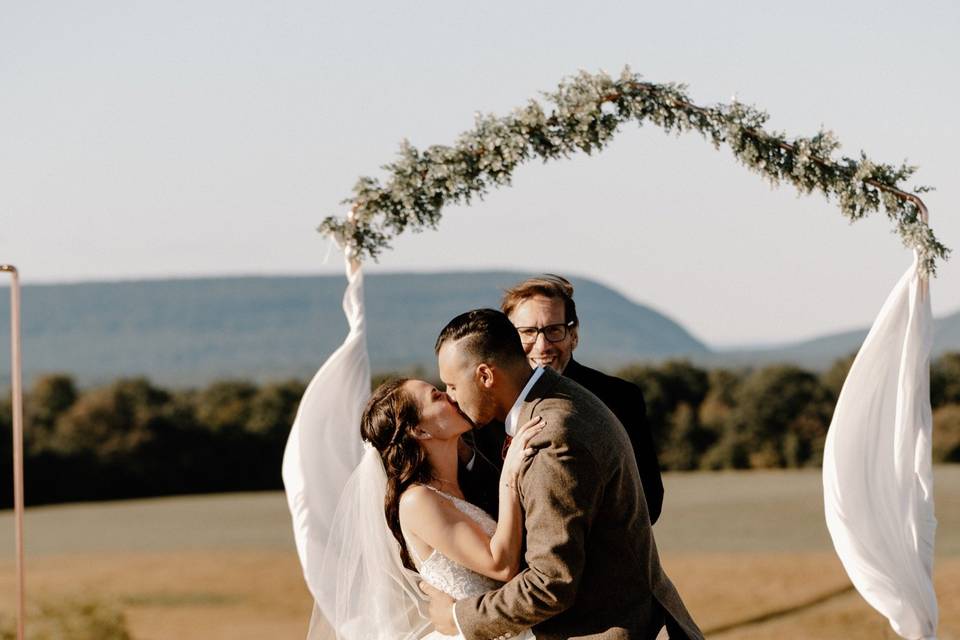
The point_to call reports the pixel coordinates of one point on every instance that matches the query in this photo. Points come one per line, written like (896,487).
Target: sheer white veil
(335,489)
(366,591)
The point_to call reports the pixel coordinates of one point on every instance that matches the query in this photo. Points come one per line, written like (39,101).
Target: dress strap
(449,496)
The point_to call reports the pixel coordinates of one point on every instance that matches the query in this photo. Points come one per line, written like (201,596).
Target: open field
(748,551)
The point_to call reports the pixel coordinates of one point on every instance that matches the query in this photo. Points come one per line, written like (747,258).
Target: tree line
(771,417)
(132,438)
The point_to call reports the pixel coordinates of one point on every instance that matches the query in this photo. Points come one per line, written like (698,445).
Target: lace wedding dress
(452,578)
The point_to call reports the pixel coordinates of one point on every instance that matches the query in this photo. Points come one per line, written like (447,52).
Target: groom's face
(467,383)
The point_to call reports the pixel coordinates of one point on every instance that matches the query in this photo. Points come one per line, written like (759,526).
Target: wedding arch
(877,476)
(587,111)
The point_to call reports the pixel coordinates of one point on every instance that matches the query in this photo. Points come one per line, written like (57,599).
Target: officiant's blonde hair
(548,285)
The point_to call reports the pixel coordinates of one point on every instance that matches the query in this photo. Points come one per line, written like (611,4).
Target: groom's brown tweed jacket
(593,570)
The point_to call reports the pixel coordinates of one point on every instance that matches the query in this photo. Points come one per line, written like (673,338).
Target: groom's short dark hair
(491,337)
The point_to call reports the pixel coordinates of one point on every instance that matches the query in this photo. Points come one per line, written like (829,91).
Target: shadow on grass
(782,612)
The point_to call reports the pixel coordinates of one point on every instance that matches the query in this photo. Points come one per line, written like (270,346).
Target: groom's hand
(440,609)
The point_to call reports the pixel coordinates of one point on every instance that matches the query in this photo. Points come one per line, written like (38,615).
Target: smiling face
(468,384)
(439,416)
(540,311)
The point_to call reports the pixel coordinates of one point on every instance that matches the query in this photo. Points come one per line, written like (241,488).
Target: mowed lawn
(749,552)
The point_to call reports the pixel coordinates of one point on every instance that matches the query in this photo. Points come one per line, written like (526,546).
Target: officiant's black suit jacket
(623,398)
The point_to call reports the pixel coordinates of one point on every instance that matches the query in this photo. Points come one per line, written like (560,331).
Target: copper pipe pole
(17,390)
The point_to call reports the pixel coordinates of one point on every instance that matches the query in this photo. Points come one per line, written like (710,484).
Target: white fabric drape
(877,475)
(328,423)
(335,490)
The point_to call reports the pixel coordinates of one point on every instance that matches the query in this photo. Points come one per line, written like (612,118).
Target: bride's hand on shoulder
(519,450)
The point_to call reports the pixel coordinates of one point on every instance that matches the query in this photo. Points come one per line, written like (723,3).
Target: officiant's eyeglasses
(552,332)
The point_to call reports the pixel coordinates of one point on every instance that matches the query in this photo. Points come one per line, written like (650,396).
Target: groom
(593,570)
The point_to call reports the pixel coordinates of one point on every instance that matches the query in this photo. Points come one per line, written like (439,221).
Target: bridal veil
(335,489)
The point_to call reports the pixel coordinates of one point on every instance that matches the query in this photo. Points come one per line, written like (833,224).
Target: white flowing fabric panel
(324,446)
(877,475)
(335,490)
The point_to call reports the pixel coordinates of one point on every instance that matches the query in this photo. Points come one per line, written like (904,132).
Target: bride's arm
(438,523)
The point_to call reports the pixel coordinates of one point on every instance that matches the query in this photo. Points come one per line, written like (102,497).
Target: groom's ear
(485,375)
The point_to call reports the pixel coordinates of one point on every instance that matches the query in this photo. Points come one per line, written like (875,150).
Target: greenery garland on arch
(587,111)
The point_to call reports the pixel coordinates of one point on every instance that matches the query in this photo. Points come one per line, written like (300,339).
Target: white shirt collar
(510,424)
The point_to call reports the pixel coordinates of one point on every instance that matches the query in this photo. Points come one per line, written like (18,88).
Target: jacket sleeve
(560,491)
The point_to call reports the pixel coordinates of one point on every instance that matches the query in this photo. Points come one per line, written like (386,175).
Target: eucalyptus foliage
(585,112)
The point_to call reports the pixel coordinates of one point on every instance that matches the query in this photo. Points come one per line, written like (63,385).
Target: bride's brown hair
(388,422)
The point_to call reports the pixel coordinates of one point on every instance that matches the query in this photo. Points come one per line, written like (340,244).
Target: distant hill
(187,332)
(190,331)
(820,352)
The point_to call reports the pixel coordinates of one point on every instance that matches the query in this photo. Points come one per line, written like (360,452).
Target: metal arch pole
(925,216)
(17,389)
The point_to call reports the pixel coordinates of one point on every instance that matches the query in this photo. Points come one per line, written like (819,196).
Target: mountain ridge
(188,331)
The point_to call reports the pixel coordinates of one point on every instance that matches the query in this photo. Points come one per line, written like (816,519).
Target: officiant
(545,314)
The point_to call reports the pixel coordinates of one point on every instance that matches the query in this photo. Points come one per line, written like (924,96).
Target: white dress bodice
(448,576)
(455,579)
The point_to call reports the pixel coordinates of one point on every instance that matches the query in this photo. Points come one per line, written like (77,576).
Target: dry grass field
(748,551)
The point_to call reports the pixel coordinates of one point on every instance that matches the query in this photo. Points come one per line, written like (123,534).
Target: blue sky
(156,139)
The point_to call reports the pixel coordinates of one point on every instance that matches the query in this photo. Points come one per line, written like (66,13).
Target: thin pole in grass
(17,389)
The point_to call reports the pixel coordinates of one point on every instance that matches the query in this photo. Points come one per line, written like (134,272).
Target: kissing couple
(571,553)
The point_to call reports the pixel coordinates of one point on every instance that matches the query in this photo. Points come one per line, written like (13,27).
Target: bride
(403,519)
